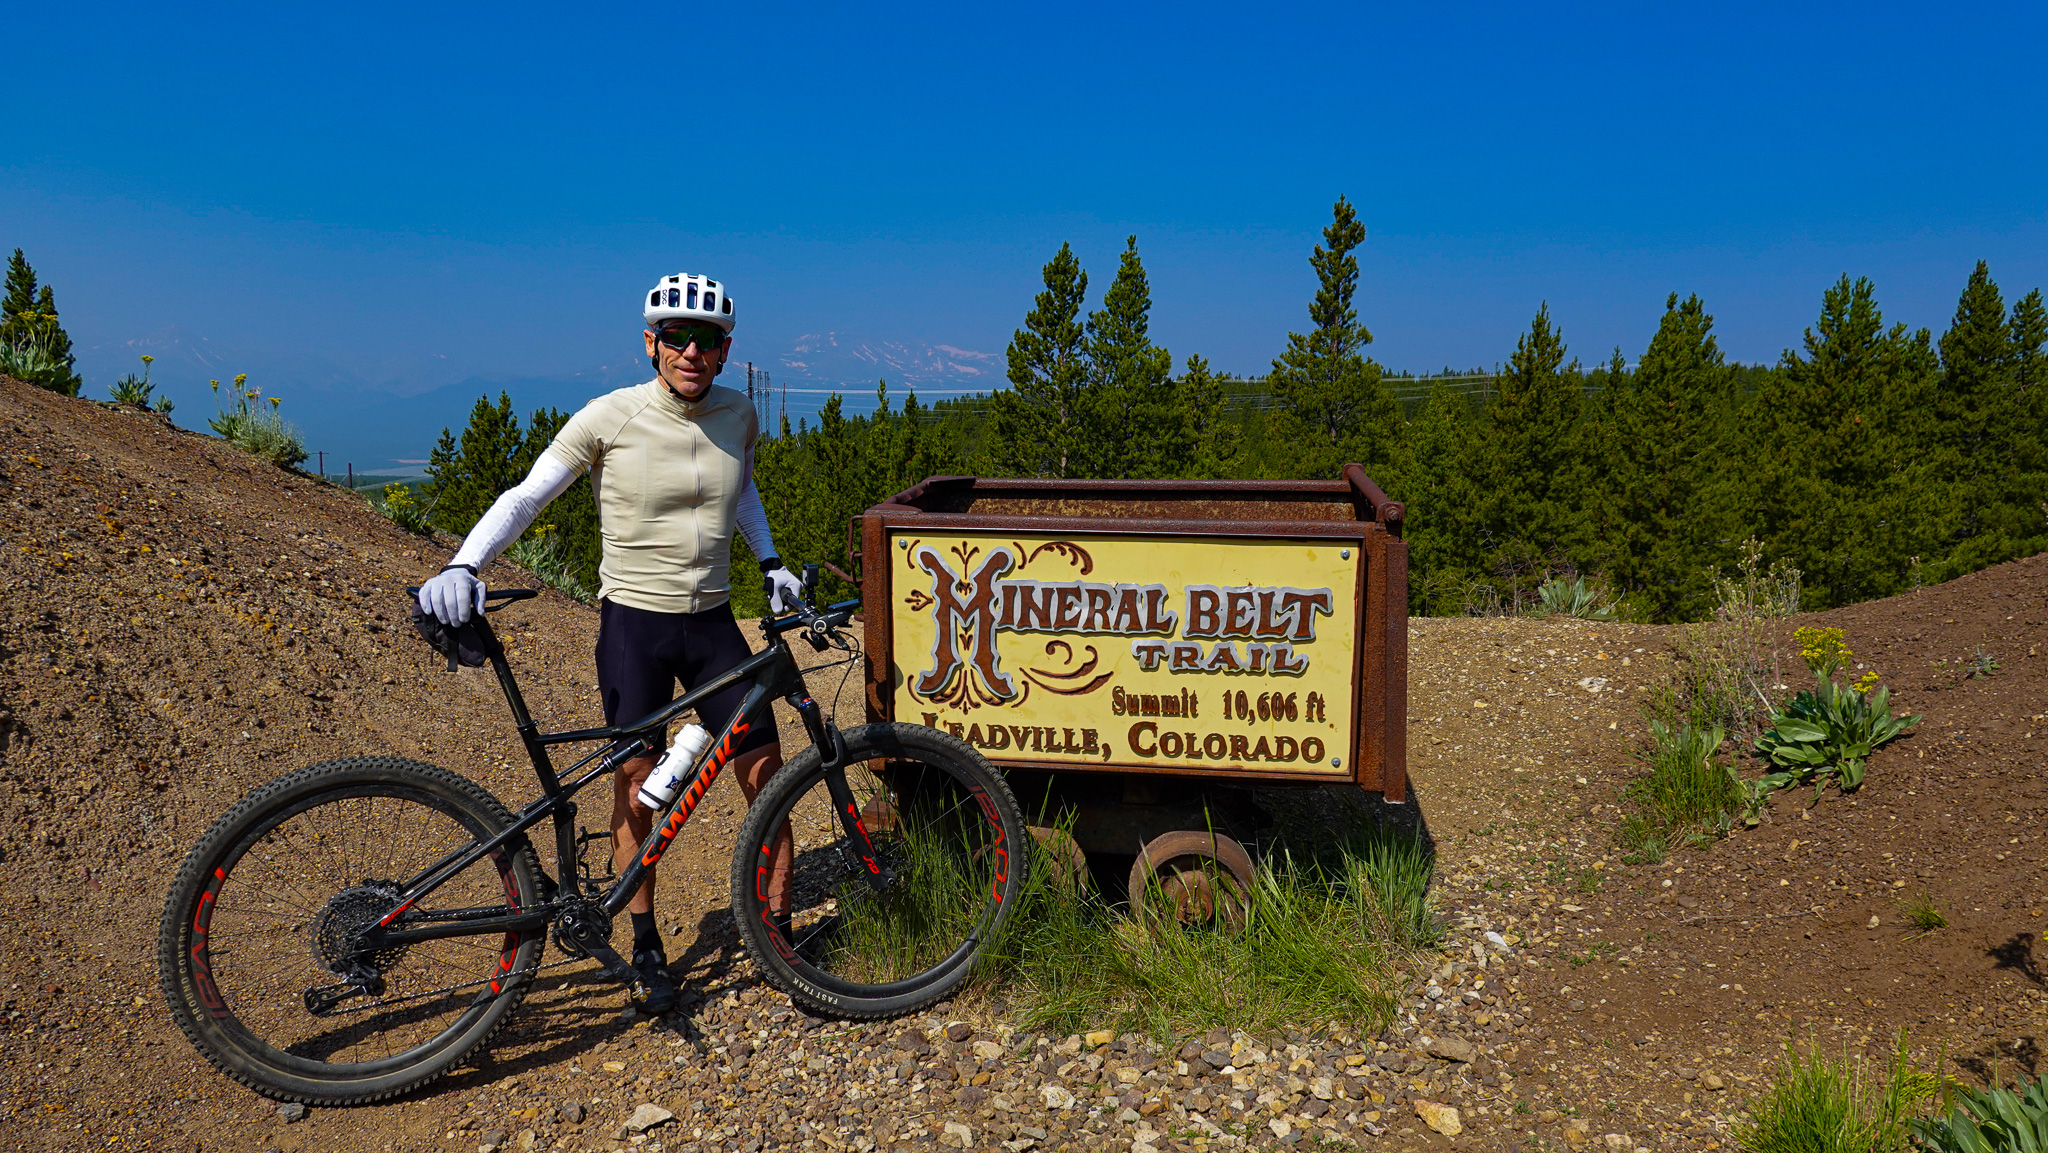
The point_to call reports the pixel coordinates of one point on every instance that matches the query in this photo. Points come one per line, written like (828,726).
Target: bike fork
(832,745)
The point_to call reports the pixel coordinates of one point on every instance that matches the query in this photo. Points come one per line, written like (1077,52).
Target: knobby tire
(947,828)
(283,875)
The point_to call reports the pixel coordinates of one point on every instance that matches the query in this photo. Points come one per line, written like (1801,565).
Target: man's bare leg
(653,989)
(631,821)
(630,824)
(754,769)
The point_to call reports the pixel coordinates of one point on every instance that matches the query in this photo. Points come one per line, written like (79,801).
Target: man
(671,466)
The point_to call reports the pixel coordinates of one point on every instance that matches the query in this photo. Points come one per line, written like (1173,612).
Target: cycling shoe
(653,990)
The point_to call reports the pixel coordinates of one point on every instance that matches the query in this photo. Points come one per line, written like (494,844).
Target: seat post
(494,651)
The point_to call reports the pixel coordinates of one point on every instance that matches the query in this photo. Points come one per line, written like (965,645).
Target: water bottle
(674,765)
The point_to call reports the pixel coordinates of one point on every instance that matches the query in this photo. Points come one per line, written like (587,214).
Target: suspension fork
(832,746)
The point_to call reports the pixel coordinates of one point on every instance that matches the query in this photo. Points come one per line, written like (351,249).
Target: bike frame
(773,671)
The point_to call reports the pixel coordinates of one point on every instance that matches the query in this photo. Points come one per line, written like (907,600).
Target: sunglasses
(681,336)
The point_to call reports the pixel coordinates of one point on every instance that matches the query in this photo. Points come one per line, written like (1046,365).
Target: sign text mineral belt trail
(1149,653)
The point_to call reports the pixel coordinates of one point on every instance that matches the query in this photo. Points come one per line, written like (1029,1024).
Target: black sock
(645,935)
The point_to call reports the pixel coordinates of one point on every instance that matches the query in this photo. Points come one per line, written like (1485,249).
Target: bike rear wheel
(262,916)
(947,833)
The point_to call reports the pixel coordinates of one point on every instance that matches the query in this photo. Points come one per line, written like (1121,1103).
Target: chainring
(581,923)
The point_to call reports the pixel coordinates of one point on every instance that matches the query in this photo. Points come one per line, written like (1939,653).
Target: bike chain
(389,1001)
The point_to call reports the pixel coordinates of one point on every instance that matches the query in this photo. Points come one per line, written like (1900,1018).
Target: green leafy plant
(1994,1120)
(1819,1104)
(31,354)
(1982,664)
(247,425)
(1571,598)
(401,508)
(136,390)
(1922,915)
(1829,730)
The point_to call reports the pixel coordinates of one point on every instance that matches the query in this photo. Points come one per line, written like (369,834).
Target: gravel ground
(180,624)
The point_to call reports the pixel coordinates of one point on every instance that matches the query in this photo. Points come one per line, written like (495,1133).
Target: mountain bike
(357,928)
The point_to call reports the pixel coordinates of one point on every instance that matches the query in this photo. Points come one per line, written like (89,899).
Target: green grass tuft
(1820,1104)
(1922,915)
(1321,943)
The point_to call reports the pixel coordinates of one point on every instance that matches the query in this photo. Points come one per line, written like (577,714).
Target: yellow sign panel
(1138,652)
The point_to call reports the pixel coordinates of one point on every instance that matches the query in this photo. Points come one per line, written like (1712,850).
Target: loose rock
(647,1116)
(1441,1118)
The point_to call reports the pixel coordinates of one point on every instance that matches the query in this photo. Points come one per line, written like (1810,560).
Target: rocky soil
(180,624)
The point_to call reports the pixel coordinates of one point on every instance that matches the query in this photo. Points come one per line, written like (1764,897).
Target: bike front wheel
(890,915)
(259,952)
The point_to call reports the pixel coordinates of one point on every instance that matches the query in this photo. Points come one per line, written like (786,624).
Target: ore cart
(1138,655)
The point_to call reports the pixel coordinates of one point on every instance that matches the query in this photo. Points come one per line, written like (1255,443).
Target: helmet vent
(727,305)
(675,297)
(710,301)
(691,299)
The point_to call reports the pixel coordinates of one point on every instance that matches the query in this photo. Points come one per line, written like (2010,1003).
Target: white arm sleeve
(515,510)
(752,518)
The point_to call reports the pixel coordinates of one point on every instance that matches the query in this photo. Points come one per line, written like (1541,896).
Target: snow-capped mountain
(826,359)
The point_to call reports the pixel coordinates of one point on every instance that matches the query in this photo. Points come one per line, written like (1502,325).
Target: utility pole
(351,476)
(323,464)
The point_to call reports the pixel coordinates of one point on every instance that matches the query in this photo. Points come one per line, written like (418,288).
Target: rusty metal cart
(1137,655)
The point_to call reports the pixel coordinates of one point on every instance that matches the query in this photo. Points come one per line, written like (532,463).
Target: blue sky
(381,211)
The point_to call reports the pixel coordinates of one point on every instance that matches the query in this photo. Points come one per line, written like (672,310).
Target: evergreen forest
(1872,458)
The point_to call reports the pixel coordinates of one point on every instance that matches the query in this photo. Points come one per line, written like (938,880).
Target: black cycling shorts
(641,655)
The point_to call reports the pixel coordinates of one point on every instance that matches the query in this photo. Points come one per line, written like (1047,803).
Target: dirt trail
(180,623)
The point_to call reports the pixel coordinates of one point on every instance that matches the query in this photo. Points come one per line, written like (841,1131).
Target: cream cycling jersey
(672,479)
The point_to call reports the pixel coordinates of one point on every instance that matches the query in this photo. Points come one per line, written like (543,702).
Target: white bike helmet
(687,296)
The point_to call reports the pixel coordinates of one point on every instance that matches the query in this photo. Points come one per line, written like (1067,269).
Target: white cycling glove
(452,595)
(786,592)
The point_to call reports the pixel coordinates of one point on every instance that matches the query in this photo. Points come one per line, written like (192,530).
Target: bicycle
(301,953)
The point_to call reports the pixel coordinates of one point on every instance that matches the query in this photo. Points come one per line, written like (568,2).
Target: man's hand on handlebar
(452,595)
(785,590)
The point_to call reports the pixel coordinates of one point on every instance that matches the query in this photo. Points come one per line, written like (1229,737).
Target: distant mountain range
(383,413)
(825,359)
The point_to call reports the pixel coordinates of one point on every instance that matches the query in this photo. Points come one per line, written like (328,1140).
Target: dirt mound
(1660,995)
(179,623)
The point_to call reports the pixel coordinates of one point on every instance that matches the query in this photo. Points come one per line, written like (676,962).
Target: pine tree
(464,480)
(1433,476)
(1131,426)
(1215,442)
(1036,424)
(2023,516)
(1975,450)
(1339,409)
(31,328)
(1838,492)
(21,295)
(57,345)
(1533,467)
(1660,446)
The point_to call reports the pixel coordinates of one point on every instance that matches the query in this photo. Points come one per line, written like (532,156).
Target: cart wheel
(1066,864)
(1191,877)
(879,814)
